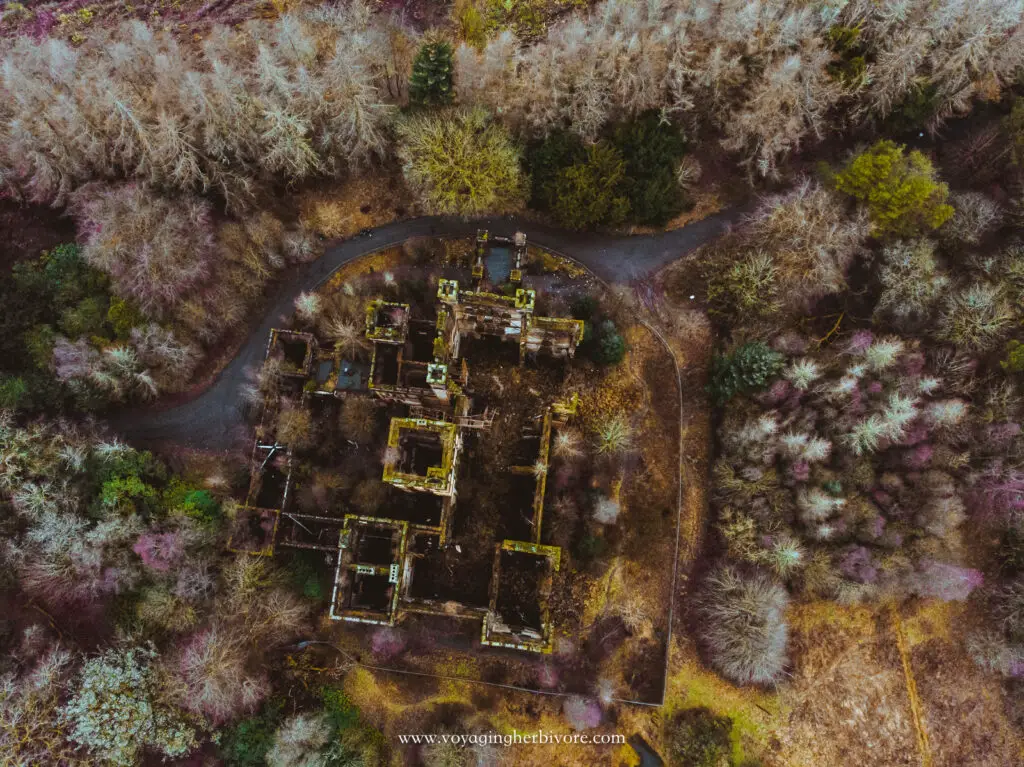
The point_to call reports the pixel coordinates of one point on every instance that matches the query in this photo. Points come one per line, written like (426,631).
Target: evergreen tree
(431,81)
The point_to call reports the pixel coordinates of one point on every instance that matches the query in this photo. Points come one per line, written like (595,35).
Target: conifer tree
(431,81)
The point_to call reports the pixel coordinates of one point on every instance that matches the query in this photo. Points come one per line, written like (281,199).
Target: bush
(902,196)
(430,83)
(114,712)
(652,148)
(589,193)
(247,743)
(976,317)
(744,625)
(559,150)
(460,161)
(747,289)
(1013,362)
(607,346)
(745,370)
(698,738)
(911,284)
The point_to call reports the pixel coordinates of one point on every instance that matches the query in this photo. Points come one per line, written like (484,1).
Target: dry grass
(360,203)
(848,695)
(962,707)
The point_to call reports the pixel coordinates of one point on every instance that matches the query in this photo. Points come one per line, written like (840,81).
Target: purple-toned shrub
(998,496)
(998,436)
(876,527)
(875,387)
(547,676)
(860,341)
(582,713)
(944,581)
(776,393)
(73,359)
(919,457)
(858,565)
(159,551)
(799,471)
(388,643)
(913,364)
(918,433)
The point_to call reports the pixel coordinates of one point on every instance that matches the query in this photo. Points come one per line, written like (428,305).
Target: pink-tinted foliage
(945,581)
(388,643)
(913,364)
(857,564)
(799,471)
(73,359)
(216,682)
(860,341)
(159,551)
(919,457)
(875,387)
(776,393)
(582,713)
(998,496)
(998,436)
(876,527)
(547,676)
(917,433)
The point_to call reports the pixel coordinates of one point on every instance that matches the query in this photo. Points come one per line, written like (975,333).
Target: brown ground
(25,230)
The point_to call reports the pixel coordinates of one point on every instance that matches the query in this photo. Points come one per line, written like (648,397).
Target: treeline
(312,94)
(276,102)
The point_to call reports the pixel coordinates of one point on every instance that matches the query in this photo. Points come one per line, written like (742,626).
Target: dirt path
(917,716)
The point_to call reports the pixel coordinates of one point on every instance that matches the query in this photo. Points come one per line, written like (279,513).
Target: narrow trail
(916,710)
(214,419)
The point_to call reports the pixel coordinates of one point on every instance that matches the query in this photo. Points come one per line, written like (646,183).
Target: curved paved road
(214,419)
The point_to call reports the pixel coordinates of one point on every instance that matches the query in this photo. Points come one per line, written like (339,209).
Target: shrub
(358,418)
(614,435)
(849,65)
(582,713)
(976,317)
(900,191)
(607,346)
(652,148)
(911,283)
(115,714)
(216,683)
(974,216)
(559,150)
(300,742)
(460,161)
(945,581)
(747,289)
(294,426)
(247,743)
(696,737)
(430,83)
(589,193)
(1013,362)
(745,625)
(747,369)
(155,249)
(13,392)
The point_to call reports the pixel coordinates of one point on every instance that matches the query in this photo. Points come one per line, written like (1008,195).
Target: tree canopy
(902,195)
(460,161)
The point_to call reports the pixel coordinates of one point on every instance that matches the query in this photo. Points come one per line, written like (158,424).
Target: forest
(802,217)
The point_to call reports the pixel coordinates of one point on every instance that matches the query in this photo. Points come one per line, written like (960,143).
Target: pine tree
(431,81)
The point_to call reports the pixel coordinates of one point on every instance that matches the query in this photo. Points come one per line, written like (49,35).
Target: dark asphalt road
(214,419)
